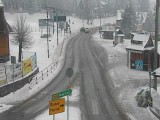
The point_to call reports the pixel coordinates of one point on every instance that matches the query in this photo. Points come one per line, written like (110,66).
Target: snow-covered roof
(140,37)
(119,14)
(138,48)
(156,72)
(1,4)
(121,35)
(108,28)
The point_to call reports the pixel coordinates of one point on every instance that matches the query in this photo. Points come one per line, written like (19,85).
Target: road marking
(109,108)
(131,116)
(16,110)
(44,92)
(19,108)
(38,110)
(95,107)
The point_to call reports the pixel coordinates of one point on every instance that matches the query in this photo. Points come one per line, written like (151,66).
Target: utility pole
(57,25)
(47,35)
(156,42)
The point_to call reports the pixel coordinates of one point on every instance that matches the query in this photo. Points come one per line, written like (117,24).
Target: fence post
(42,75)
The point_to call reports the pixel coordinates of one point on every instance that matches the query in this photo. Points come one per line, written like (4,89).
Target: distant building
(140,52)
(4,36)
(107,31)
(118,37)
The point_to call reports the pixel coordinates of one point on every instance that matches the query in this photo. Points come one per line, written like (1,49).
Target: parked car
(86,30)
(82,29)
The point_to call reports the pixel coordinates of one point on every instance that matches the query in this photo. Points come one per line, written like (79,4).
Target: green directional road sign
(61,94)
(59,18)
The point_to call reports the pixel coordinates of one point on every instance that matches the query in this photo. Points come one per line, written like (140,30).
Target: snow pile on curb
(4,107)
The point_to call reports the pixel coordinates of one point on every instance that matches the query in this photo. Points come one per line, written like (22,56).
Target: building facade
(4,36)
(140,52)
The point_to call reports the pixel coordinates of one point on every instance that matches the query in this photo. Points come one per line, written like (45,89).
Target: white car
(86,30)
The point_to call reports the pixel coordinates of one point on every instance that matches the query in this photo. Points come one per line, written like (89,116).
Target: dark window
(135,42)
(1,20)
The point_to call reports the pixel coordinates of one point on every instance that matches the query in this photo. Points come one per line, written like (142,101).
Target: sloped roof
(140,37)
(156,72)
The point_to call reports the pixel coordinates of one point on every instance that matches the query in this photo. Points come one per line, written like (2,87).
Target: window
(135,42)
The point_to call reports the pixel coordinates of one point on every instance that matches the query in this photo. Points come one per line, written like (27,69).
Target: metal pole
(150,78)
(156,42)
(47,35)
(53,117)
(6,73)
(57,26)
(53,24)
(68,103)
(13,78)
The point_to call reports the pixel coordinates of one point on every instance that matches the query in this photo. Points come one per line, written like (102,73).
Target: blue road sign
(139,64)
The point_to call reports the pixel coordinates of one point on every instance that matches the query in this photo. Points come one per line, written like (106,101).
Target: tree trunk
(20,52)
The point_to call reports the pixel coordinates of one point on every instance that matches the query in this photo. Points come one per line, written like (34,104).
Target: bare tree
(22,36)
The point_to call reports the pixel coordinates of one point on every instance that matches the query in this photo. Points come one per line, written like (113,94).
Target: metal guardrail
(46,72)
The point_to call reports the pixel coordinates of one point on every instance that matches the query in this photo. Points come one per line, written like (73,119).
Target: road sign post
(61,94)
(69,73)
(13,61)
(53,117)
(56,106)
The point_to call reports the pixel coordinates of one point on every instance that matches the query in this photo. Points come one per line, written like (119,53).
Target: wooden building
(107,31)
(4,36)
(140,52)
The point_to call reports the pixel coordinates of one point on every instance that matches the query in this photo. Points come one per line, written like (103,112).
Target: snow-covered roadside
(126,82)
(74,111)
(42,60)
(40,47)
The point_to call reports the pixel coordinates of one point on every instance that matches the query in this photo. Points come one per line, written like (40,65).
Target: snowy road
(97,103)
(95,96)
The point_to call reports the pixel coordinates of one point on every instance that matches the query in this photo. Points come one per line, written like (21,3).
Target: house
(107,31)
(140,52)
(118,36)
(4,36)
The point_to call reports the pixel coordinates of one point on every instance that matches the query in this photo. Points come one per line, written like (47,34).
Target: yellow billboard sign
(56,106)
(27,66)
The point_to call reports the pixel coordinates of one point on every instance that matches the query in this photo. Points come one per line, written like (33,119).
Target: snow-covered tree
(22,36)
(129,20)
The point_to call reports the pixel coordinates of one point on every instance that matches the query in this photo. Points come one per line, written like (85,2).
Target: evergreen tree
(143,5)
(149,25)
(129,20)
